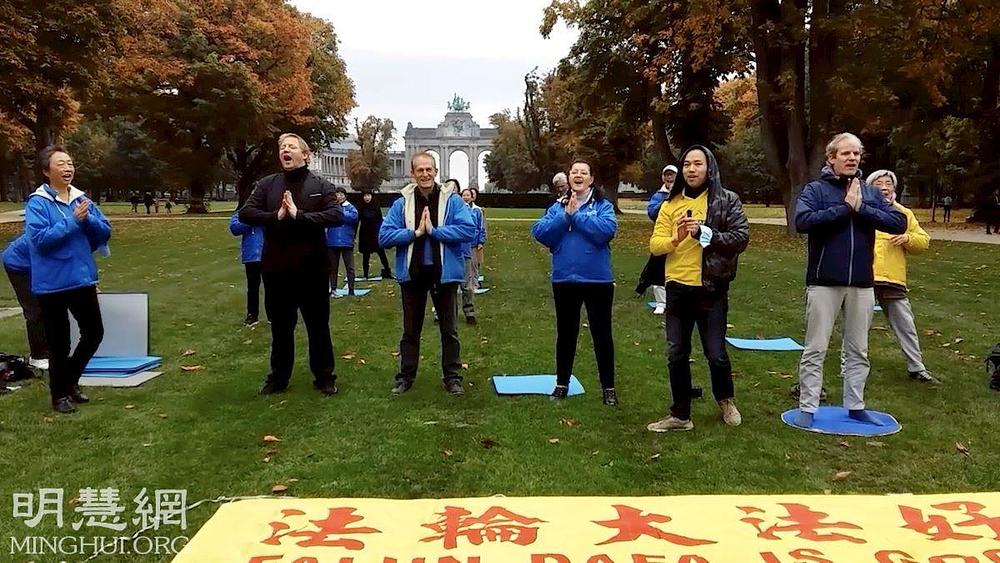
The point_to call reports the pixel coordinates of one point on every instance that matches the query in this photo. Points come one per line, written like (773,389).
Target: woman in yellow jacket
(890,276)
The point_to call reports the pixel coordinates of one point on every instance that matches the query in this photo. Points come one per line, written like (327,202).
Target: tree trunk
(610,182)
(196,196)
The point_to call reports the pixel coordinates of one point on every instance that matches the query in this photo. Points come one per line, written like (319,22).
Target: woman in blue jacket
(340,242)
(64,229)
(578,229)
(251,248)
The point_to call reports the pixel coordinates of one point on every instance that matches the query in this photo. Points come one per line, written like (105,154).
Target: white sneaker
(660,309)
(669,424)
(730,414)
(41,364)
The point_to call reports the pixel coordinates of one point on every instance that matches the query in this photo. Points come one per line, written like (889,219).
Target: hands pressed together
(426,226)
(288,207)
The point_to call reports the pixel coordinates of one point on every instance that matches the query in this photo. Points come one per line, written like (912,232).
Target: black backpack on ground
(14,368)
(993,367)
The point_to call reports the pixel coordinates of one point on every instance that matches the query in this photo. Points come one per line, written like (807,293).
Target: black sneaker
(610,398)
(270,388)
(386,274)
(454,387)
(251,320)
(327,388)
(559,393)
(78,397)
(402,386)
(63,406)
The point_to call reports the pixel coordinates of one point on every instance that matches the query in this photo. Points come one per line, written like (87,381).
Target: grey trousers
(659,294)
(823,305)
(470,285)
(900,317)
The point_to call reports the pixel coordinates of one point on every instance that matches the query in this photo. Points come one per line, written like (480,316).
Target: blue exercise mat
(532,385)
(766,344)
(834,420)
(358,292)
(482,290)
(121,364)
(651,304)
(877,308)
(360,279)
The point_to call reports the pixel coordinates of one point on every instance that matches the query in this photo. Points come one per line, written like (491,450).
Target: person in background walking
(369,223)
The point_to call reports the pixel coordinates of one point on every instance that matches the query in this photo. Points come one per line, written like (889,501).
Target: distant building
(331,164)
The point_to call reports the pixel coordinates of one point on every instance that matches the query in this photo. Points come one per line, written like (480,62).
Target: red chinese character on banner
(803,521)
(335,524)
(939,528)
(497,524)
(632,524)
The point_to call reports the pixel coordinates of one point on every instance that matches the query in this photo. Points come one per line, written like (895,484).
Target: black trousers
(445,298)
(32,312)
(65,369)
(253,288)
(285,294)
(947,215)
(366,259)
(687,307)
(598,298)
(336,255)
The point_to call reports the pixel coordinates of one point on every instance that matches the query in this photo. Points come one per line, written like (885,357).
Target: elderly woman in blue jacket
(251,248)
(578,229)
(64,229)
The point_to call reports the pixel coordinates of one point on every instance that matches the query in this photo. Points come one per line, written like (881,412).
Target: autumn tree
(368,165)
(218,78)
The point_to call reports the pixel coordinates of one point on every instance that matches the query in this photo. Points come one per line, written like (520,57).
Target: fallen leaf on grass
(875,444)
(446,453)
(162,415)
(729,325)
(395,354)
(963,449)
(269,439)
(292,481)
(348,356)
(553,440)
(48,419)
(840,475)
(465,366)
(654,457)
(844,444)
(189,325)
(488,443)
(129,407)
(569,422)
(430,422)
(932,332)
(74,501)
(279,489)
(192,368)
(188,353)
(362,361)
(248,341)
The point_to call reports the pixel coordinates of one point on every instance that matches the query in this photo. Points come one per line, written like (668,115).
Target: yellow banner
(952,528)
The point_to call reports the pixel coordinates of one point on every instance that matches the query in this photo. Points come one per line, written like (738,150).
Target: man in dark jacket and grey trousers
(295,207)
(840,213)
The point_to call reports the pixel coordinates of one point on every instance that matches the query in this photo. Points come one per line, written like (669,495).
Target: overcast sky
(408,59)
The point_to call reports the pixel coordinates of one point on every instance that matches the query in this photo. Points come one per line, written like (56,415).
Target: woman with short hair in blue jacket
(577,229)
(17,264)
(251,248)
(64,229)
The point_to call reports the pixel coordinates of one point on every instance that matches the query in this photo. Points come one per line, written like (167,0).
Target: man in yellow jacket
(890,276)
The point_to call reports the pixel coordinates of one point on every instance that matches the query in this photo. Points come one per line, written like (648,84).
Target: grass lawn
(202,430)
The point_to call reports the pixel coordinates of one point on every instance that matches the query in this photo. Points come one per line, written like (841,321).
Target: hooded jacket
(342,236)
(842,241)
(61,247)
(730,228)
(580,243)
(890,260)
(252,244)
(17,256)
(455,227)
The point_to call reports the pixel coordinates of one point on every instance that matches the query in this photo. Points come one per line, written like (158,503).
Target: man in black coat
(295,207)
